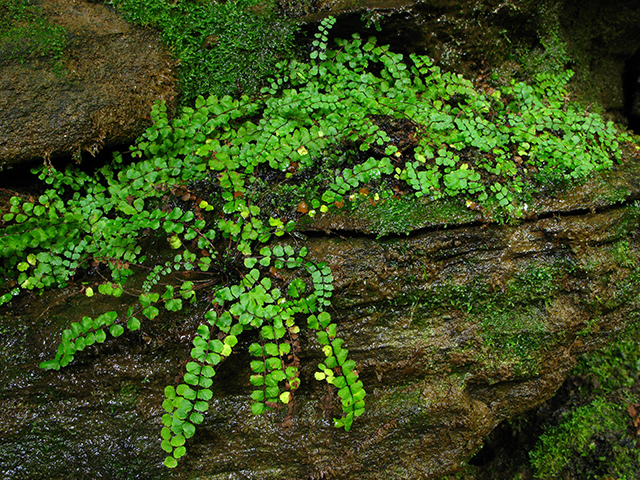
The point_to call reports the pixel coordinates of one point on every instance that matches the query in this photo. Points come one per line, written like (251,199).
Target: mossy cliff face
(453,330)
(454,320)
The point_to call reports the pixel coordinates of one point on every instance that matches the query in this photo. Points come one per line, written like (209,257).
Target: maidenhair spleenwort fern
(205,183)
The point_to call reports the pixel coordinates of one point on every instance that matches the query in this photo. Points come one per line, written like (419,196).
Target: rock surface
(454,328)
(110,75)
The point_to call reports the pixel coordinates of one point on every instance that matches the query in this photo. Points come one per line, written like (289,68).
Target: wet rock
(98,94)
(453,330)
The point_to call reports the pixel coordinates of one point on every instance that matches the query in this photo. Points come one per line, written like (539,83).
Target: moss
(582,432)
(591,442)
(440,298)
(512,311)
(623,280)
(551,54)
(514,336)
(511,320)
(535,283)
(622,255)
(399,396)
(514,329)
(592,439)
(223,48)
(401,215)
(130,393)
(630,220)
(26,34)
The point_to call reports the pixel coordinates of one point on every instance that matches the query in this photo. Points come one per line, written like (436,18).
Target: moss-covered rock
(95,92)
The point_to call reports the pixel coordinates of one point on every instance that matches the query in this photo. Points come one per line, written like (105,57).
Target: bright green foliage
(485,147)
(204,183)
(337,370)
(256,303)
(83,334)
(223,47)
